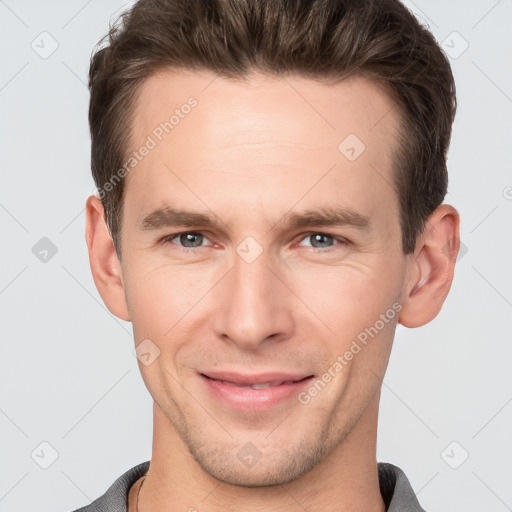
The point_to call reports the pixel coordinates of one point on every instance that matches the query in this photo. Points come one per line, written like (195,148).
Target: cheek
(161,295)
(349,298)
(343,299)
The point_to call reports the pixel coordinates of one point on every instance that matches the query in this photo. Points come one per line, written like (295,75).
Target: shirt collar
(395,488)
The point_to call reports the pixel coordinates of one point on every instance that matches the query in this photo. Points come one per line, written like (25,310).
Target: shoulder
(115,498)
(396,489)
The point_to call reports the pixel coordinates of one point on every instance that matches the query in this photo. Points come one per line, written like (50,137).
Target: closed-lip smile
(256,392)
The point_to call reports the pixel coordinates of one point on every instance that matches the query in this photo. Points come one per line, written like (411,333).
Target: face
(260,241)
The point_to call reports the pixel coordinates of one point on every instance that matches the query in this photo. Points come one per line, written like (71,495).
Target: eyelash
(342,242)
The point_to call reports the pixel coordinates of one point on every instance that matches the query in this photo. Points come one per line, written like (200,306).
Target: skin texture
(247,154)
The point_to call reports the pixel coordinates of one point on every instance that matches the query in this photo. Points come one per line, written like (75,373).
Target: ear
(431,268)
(105,265)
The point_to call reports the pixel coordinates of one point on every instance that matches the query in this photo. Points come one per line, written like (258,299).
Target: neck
(346,480)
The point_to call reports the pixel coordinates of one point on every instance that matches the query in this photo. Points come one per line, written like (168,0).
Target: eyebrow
(327,216)
(333,216)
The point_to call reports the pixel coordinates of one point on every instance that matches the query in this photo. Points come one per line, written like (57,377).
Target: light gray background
(68,374)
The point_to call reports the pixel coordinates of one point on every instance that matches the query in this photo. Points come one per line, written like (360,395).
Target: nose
(253,304)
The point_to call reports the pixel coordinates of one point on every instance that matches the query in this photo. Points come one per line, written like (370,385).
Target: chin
(249,467)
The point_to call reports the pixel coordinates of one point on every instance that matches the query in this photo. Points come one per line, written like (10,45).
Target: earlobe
(105,266)
(432,268)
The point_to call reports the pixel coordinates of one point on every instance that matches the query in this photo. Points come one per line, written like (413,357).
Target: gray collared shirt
(394,487)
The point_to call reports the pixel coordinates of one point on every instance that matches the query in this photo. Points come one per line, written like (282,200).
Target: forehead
(277,104)
(264,132)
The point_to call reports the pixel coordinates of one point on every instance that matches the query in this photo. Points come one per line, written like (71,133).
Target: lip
(225,387)
(248,380)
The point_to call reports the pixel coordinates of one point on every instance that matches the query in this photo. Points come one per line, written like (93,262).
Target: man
(270,182)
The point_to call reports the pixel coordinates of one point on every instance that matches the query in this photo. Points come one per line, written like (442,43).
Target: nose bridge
(254,303)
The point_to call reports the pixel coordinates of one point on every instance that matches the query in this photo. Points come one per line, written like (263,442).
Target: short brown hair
(319,39)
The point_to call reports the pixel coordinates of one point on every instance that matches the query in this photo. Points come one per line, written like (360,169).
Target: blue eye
(195,240)
(323,240)
(189,240)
